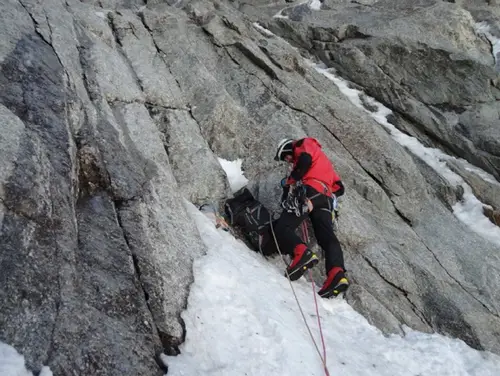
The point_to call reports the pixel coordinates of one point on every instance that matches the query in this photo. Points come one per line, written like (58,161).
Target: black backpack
(247,214)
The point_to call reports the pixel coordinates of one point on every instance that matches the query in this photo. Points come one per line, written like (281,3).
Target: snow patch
(487,177)
(271,34)
(12,363)
(263,30)
(235,176)
(242,319)
(484,28)
(45,371)
(470,209)
(101,15)
(315,5)
(280,13)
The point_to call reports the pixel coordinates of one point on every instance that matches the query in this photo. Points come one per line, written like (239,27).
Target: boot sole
(297,273)
(341,287)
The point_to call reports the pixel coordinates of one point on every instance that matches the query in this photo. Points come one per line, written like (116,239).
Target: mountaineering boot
(303,259)
(334,284)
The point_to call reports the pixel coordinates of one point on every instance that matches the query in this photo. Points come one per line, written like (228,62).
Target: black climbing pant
(321,219)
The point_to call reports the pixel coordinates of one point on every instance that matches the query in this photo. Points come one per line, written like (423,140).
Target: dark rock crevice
(157,113)
(50,33)
(464,289)
(256,60)
(35,24)
(137,269)
(92,174)
(402,216)
(404,293)
(192,115)
(142,171)
(158,49)
(115,30)
(49,42)
(170,343)
(86,79)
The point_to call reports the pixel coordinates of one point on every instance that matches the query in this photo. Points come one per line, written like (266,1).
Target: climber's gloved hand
(283,182)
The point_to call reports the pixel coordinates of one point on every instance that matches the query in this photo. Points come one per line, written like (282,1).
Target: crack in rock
(135,261)
(57,249)
(45,40)
(415,309)
(122,53)
(457,281)
(158,49)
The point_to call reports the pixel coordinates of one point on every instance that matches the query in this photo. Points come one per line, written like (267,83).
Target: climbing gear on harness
(297,201)
(291,203)
(335,212)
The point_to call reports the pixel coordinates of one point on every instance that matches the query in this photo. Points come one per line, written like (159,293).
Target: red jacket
(312,167)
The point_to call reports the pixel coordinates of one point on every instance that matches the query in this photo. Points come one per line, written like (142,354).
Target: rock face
(96,245)
(113,115)
(423,59)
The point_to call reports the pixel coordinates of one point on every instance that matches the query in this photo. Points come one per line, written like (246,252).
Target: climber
(308,192)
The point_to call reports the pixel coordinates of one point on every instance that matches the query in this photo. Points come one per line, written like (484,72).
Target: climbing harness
(335,212)
(335,204)
(297,201)
(322,357)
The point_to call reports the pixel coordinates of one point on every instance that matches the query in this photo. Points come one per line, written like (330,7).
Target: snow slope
(12,363)
(242,319)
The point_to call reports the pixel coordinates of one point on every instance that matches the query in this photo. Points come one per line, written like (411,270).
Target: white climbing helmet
(285,147)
